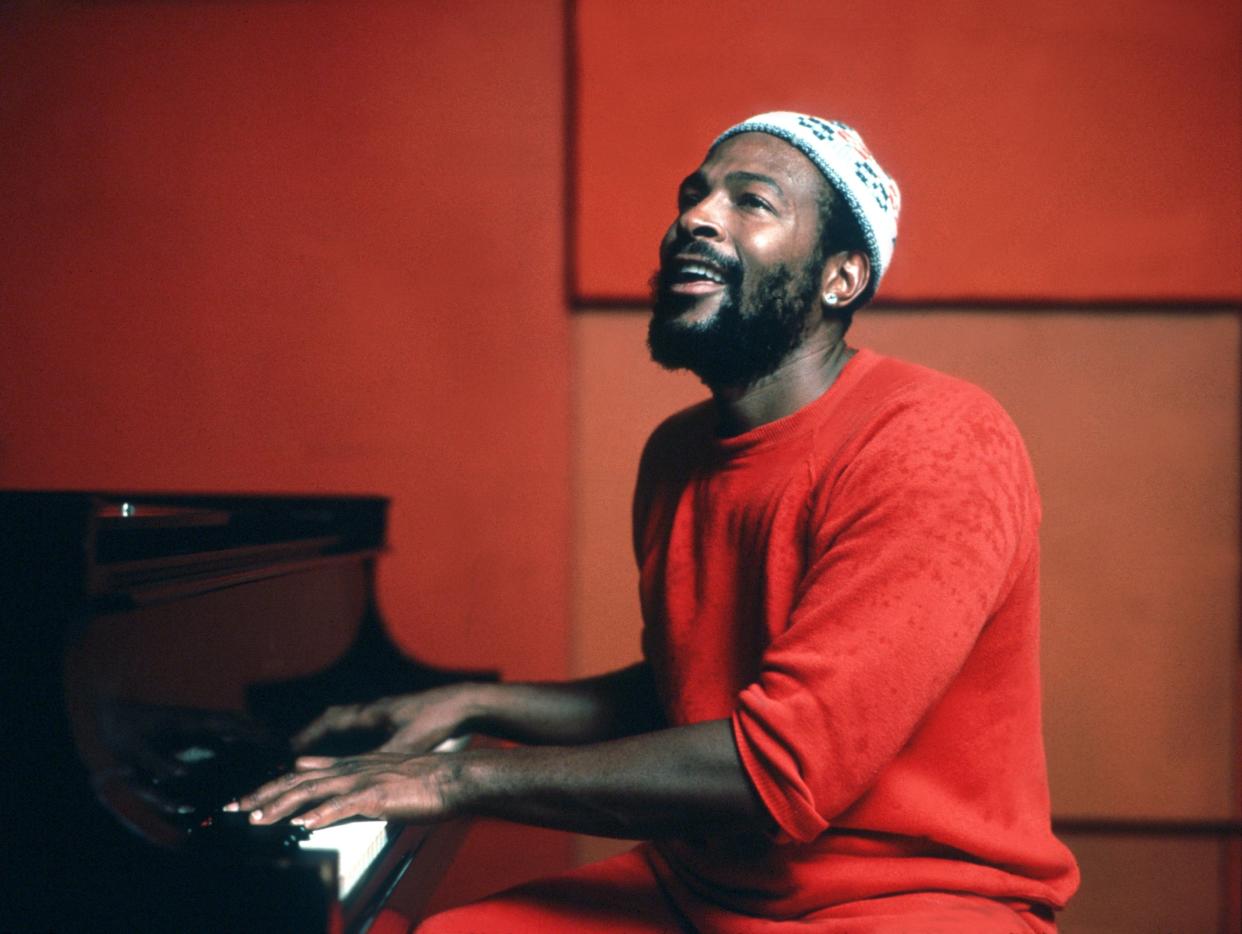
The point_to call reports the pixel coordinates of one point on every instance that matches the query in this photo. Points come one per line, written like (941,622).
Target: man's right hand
(418,722)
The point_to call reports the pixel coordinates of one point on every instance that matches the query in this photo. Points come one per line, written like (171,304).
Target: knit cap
(839,152)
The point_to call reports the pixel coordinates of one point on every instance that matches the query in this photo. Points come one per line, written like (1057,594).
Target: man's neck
(802,377)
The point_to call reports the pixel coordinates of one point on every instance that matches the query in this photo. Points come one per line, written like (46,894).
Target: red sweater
(857,587)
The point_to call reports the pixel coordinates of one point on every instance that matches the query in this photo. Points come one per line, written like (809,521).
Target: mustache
(730,268)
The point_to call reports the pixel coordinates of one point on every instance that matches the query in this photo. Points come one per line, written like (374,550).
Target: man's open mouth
(696,272)
(694,275)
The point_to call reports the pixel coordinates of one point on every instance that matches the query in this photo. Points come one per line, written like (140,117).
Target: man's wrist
(462,781)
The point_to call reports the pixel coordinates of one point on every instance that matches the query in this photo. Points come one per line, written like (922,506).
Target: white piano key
(357,845)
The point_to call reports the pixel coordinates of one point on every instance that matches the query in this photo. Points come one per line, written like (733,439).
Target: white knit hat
(839,152)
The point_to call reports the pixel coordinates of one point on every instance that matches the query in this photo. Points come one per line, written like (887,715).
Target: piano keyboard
(357,845)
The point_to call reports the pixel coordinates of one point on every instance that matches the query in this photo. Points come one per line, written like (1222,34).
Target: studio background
(402,248)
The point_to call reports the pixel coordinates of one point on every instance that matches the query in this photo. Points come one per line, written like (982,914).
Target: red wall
(310,246)
(1047,151)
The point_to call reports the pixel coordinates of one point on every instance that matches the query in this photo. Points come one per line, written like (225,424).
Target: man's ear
(844,278)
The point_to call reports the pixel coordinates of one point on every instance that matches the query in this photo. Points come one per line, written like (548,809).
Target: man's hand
(383,785)
(419,722)
(590,710)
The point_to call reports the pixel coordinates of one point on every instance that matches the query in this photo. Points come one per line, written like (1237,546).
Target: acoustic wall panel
(1048,151)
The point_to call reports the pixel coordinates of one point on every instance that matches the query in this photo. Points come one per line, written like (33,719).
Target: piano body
(158,651)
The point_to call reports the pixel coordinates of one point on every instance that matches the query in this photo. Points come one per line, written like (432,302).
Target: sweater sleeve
(910,549)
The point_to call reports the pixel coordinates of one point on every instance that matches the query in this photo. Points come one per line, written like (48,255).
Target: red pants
(622,895)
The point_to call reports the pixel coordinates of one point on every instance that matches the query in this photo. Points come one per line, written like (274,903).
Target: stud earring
(830,299)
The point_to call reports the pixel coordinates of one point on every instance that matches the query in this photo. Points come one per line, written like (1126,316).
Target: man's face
(738,282)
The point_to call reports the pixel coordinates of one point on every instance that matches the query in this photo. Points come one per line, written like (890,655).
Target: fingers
(338,719)
(265,793)
(322,791)
(310,763)
(314,779)
(338,808)
(291,793)
(261,796)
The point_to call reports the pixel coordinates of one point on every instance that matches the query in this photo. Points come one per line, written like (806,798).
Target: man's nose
(702,219)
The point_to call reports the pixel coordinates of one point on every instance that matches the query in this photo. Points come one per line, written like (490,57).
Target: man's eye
(753,201)
(687,198)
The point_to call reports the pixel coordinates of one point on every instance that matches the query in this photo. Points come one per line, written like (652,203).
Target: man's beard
(748,336)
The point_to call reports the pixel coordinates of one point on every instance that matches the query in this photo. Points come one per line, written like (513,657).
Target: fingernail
(256,816)
(232,806)
(297,821)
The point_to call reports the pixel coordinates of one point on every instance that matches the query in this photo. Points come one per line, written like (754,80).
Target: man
(836,725)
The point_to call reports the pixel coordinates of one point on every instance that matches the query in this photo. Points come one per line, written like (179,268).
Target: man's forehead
(763,154)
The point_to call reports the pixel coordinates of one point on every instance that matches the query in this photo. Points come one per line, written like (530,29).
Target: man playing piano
(836,725)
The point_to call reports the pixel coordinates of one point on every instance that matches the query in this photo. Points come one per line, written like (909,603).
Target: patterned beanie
(839,152)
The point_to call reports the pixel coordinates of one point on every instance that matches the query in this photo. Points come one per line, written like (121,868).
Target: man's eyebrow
(697,180)
(743,176)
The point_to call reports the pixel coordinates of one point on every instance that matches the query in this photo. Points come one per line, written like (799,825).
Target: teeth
(694,269)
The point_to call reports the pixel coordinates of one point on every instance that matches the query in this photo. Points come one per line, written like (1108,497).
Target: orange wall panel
(1048,151)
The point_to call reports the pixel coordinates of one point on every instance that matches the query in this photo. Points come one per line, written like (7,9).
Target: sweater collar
(802,420)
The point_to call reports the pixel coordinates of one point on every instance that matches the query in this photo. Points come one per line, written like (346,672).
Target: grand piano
(158,652)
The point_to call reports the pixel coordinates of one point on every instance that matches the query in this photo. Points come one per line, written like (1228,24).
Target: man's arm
(607,706)
(668,782)
(620,703)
